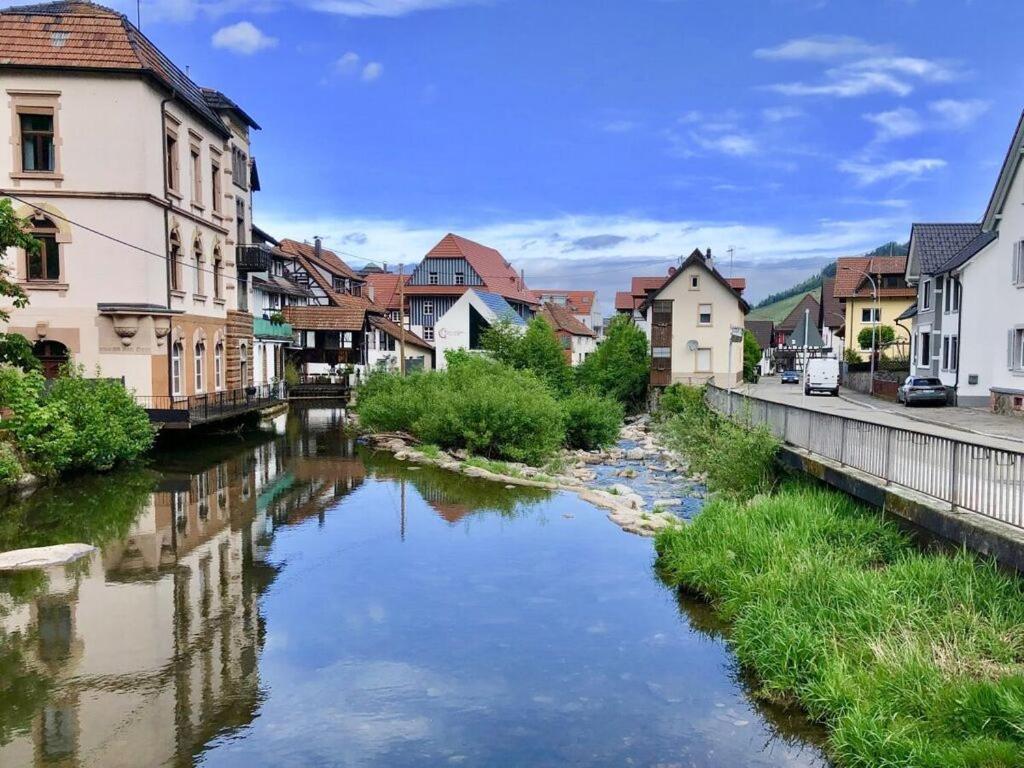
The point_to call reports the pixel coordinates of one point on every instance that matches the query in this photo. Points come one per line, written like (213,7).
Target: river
(286,598)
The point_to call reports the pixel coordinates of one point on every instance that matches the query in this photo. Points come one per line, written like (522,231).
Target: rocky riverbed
(643,486)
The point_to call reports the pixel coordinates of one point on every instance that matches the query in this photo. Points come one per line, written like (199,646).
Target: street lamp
(874,318)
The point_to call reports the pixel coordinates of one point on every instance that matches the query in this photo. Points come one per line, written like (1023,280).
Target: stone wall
(239,336)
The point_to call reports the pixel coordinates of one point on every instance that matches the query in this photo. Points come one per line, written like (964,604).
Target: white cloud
(895,124)
(372,71)
(243,38)
(923,69)
(386,8)
(957,114)
(780,114)
(818,48)
(347,64)
(845,84)
(733,144)
(905,170)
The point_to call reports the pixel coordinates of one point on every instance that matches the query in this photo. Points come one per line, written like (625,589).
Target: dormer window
(432,278)
(460,278)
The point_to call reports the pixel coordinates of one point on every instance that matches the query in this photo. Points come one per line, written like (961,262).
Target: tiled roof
(278,284)
(935,244)
(385,288)
(562,319)
(346,318)
(851,283)
(694,259)
(796,315)
(832,310)
(83,35)
(639,286)
(624,301)
(329,260)
(218,100)
(498,275)
(394,330)
(738,284)
(967,252)
(580,302)
(763,331)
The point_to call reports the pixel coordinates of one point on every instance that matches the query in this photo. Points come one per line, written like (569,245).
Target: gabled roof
(738,284)
(763,330)
(394,330)
(328,260)
(385,288)
(851,282)
(806,330)
(562,319)
(832,310)
(1004,182)
(796,315)
(497,274)
(967,252)
(580,302)
(935,244)
(639,287)
(83,35)
(699,259)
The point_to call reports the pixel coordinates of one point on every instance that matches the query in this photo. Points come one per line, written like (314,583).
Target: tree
(13,234)
(751,356)
(620,367)
(884,335)
(503,340)
(537,349)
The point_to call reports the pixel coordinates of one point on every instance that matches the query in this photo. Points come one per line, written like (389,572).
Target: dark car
(790,377)
(917,390)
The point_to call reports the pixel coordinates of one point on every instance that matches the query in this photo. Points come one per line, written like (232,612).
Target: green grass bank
(910,658)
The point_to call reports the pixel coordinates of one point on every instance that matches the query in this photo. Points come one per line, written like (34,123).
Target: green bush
(590,421)
(751,356)
(911,659)
(677,398)
(10,466)
(884,335)
(291,374)
(536,349)
(76,423)
(620,366)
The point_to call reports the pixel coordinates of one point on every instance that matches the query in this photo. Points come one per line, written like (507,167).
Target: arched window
(176,354)
(243,367)
(44,264)
(200,354)
(218,365)
(174,253)
(218,276)
(52,355)
(197,258)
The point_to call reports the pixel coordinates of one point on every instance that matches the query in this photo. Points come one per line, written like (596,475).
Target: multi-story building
(582,304)
(875,292)
(578,340)
(138,183)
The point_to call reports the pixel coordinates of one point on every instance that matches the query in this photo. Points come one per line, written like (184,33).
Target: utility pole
(401,319)
(731,250)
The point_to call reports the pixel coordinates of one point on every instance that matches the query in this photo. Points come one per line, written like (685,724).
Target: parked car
(918,389)
(822,376)
(791,377)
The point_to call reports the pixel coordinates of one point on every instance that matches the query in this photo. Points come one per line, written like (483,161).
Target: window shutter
(1009,349)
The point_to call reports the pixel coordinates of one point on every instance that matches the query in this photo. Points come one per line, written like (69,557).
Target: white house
(578,340)
(462,326)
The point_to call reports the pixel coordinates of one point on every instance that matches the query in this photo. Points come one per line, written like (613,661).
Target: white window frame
(701,313)
(1017,265)
(875,312)
(433,278)
(696,360)
(460,278)
(177,350)
(199,354)
(926,299)
(428,333)
(218,366)
(428,309)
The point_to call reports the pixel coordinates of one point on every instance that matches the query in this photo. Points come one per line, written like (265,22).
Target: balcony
(268,329)
(252,258)
(185,412)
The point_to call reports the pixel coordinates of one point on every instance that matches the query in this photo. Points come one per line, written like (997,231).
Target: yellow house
(853,287)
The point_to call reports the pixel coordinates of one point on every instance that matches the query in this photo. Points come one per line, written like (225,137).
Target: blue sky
(594,139)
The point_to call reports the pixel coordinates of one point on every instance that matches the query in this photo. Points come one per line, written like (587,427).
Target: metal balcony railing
(185,410)
(252,258)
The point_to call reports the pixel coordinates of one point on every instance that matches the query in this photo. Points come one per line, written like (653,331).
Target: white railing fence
(966,475)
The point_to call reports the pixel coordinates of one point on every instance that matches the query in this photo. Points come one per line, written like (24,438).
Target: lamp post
(874,318)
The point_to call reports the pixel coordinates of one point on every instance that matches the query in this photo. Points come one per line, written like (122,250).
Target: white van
(822,375)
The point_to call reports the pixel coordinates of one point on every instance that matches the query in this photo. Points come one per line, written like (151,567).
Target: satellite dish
(693,345)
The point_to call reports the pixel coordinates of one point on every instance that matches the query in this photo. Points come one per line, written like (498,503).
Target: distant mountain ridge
(777,305)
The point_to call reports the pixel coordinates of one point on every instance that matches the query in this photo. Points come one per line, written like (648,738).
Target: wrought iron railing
(252,258)
(966,475)
(212,405)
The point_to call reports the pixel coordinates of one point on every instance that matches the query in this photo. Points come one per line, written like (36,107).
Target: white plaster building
(462,326)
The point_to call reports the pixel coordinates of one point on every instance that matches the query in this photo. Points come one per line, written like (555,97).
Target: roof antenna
(138,14)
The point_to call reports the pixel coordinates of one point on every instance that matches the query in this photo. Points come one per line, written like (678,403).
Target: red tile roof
(312,318)
(394,330)
(498,275)
(83,35)
(851,282)
(627,301)
(385,288)
(580,302)
(738,284)
(562,319)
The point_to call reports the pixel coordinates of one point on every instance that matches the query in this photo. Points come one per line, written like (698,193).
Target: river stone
(666,503)
(636,454)
(42,557)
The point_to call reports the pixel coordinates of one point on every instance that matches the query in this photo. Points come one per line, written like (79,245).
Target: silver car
(917,390)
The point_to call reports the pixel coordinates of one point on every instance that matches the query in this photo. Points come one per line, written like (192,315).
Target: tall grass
(911,659)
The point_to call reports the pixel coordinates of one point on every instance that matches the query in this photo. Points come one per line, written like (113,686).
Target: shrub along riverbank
(910,658)
(521,401)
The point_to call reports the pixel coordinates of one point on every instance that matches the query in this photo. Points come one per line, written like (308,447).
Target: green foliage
(620,367)
(590,421)
(851,355)
(16,350)
(884,335)
(737,460)
(75,424)
(10,466)
(751,356)
(13,234)
(537,349)
(291,374)
(911,659)
(478,404)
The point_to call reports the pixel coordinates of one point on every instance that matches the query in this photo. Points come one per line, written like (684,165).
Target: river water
(286,598)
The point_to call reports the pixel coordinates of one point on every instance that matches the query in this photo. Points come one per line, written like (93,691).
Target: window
(945,353)
(196,169)
(955,291)
(1018,263)
(428,333)
(1015,353)
(704,314)
(428,308)
(171,161)
(176,353)
(460,278)
(44,264)
(198,266)
(218,365)
(243,366)
(870,315)
(239,168)
(703,360)
(174,256)
(432,278)
(200,354)
(218,274)
(239,222)
(954,353)
(924,345)
(926,291)
(393,315)
(215,184)
(694,282)
(37,146)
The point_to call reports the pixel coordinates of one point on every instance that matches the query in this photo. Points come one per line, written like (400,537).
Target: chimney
(522,279)
(372,293)
(708,259)
(316,245)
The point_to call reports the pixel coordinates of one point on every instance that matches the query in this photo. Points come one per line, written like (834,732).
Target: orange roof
(562,319)
(385,288)
(738,284)
(580,302)
(624,301)
(851,283)
(83,35)
(313,318)
(627,301)
(498,275)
